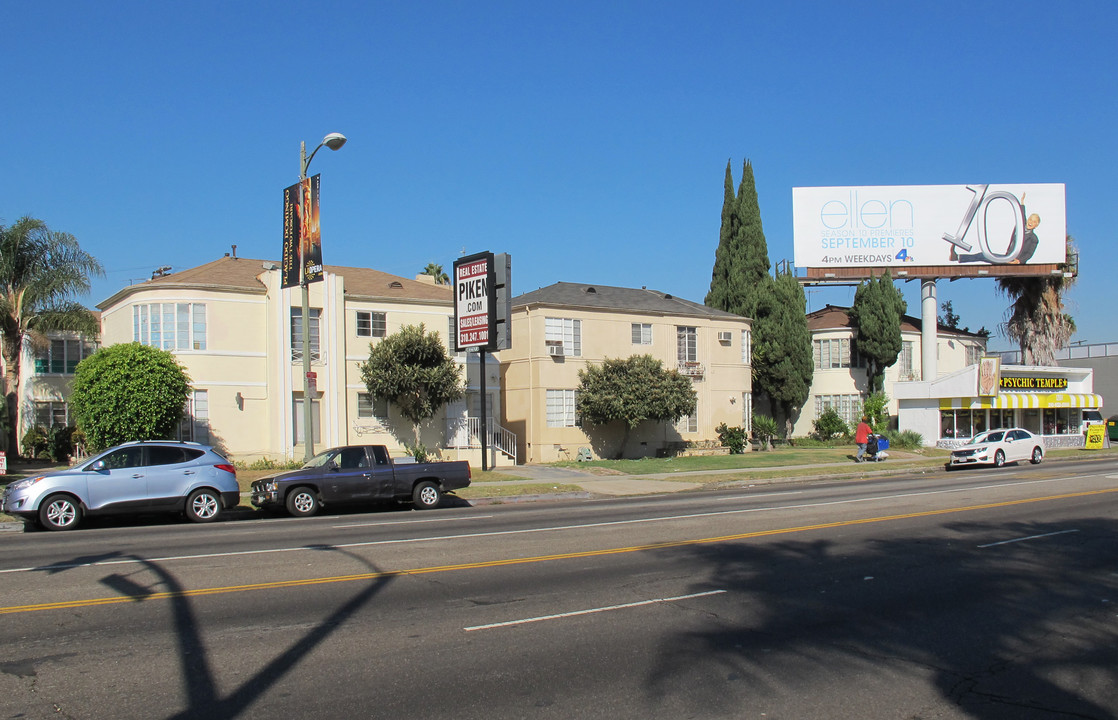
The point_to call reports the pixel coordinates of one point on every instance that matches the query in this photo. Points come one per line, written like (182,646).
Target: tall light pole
(334,141)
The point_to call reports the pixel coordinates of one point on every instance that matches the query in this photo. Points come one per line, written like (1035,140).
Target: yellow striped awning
(1013,401)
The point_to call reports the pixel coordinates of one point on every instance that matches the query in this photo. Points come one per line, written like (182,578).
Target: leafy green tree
(741,261)
(876,314)
(412,370)
(876,408)
(782,354)
(436,271)
(1036,320)
(41,272)
(632,390)
(128,392)
(948,319)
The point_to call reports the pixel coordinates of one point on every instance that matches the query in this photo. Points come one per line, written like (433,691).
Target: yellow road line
(281,584)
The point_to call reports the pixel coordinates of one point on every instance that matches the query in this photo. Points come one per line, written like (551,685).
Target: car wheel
(203,505)
(1038,455)
(302,502)
(999,458)
(60,512)
(426,495)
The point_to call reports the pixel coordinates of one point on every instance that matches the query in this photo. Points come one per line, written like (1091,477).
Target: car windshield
(320,459)
(995,436)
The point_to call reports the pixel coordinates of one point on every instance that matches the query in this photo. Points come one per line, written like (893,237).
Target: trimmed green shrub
(830,425)
(732,437)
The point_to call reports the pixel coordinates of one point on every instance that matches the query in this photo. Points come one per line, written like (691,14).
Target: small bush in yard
(732,437)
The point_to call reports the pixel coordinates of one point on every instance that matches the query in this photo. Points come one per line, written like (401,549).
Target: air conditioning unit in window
(724,336)
(555,349)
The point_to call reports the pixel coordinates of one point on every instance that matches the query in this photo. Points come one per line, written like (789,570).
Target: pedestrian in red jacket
(862,437)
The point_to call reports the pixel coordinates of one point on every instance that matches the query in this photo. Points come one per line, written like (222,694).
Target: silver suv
(136,477)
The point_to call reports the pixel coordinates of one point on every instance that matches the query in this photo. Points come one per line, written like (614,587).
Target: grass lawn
(778,457)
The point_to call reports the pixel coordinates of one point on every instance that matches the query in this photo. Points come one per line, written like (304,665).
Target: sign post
(482,303)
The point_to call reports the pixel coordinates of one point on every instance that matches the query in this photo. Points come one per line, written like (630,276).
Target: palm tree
(41,271)
(1036,319)
(436,271)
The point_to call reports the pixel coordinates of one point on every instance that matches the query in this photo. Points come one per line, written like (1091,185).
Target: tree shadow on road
(199,681)
(999,630)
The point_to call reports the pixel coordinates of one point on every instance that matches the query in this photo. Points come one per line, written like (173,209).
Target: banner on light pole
(302,236)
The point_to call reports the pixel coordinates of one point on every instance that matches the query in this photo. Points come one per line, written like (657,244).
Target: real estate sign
(949,226)
(472,303)
(483,301)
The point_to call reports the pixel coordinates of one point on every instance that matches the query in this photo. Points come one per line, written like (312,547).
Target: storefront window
(947,424)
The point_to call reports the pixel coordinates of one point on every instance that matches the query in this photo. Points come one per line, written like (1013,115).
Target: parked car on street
(134,478)
(997,447)
(358,473)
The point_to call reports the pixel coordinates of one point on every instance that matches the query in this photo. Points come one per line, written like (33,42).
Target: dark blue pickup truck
(358,473)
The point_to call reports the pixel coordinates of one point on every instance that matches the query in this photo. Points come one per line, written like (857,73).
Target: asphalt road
(990,594)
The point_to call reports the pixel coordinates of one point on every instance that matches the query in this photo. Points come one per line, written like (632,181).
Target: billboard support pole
(929,330)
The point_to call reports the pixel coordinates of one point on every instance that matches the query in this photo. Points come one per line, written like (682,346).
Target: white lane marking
(591,611)
(758,495)
(1030,537)
(498,533)
(409,522)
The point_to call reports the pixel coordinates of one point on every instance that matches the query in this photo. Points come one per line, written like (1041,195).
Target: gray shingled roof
(563,294)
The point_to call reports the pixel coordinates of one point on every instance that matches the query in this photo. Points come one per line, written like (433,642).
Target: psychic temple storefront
(1048,401)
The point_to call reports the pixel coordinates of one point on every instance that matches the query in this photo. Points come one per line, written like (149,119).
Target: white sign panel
(471,302)
(942,225)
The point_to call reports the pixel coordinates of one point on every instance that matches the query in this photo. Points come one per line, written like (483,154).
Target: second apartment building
(562,328)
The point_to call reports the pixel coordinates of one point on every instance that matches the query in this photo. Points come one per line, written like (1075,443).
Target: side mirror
(97,466)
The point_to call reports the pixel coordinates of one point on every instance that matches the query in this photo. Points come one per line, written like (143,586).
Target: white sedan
(997,447)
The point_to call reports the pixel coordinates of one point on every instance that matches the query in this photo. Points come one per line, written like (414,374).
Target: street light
(334,141)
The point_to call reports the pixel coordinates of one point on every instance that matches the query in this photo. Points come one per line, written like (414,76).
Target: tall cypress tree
(876,314)
(741,262)
(782,359)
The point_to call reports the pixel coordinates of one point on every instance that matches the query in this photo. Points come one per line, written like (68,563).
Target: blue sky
(587,139)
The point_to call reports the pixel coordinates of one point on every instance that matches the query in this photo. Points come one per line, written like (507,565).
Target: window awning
(1013,401)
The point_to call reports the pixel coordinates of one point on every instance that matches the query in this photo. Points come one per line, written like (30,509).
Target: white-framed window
(747,412)
(297,334)
(746,347)
(371,323)
(51,413)
(170,326)
(642,333)
(195,424)
(974,354)
(849,407)
(689,423)
(565,333)
(836,353)
(62,356)
(560,408)
(369,407)
(904,361)
(687,344)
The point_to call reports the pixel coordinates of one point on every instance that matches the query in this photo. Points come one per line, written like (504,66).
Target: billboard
(483,301)
(302,237)
(947,226)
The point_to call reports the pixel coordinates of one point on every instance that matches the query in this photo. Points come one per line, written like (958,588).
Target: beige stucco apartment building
(238,334)
(562,328)
(840,379)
